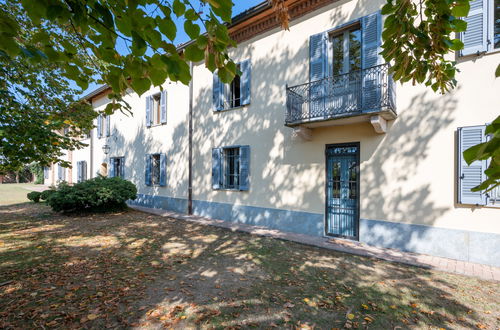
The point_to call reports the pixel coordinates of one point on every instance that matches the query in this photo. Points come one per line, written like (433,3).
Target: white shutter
(475,37)
(471,175)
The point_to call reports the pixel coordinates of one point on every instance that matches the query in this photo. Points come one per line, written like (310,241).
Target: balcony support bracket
(379,124)
(301,133)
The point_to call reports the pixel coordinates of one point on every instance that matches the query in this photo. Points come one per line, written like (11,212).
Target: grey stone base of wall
(160,202)
(483,248)
(462,245)
(284,220)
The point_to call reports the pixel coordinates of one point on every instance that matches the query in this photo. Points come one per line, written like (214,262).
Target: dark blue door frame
(342,190)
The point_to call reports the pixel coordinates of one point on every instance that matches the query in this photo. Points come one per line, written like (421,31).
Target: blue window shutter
(244,167)
(318,69)
(84,170)
(108,125)
(218,93)
(318,59)
(148,170)
(99,126)
(216,168)
(112,170)
(471,175)
(163,170)
(79,171)
(246,81)
(371,34)
(148,111)
(475,37)
(122,168)
(163,107)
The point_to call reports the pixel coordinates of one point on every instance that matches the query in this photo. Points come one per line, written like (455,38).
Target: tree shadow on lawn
(132,269)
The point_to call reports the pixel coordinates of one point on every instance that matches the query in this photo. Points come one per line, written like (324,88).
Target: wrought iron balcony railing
(363,91)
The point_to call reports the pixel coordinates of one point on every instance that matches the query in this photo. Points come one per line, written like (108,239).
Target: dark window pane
(155,175)
(336,180)
(354,50)
(234,93)
(231,168)
(338,54)
(353,180)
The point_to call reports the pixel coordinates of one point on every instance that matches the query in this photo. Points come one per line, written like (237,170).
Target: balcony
(359,96)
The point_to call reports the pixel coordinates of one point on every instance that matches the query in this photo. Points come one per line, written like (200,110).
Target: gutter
(190,147)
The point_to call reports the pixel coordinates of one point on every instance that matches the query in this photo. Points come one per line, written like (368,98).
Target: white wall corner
(301,133)
(379,124)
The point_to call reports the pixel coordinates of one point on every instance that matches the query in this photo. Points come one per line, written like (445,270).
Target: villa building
(314,137)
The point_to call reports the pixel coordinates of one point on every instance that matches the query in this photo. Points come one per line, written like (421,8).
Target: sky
(239,6)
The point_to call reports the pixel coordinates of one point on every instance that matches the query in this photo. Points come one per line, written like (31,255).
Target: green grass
(12,193)
(132,269)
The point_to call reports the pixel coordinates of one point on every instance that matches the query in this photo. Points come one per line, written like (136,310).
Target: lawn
(132,269)
(12,193)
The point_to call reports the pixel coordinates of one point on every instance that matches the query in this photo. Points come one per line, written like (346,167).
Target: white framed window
(346,50)
(117,167)
(156,169)
(232,92)
(483,28)
(156,109)
(235,94)
(81,171)
(231,168)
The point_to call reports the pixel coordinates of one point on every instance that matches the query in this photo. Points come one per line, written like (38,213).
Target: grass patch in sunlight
(130,269)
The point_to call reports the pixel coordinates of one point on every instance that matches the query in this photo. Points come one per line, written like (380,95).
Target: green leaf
(387,9)
(139,46)
(194,54)
(167,27)
(456,44)
(460,25)
(179,8)
(158,76)
(461,9)
(140,85)
(9,46)
(191,15)
(497,72)
(223,9)
(192,29)
(105,15)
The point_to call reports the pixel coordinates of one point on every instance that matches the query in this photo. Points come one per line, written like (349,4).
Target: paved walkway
(414,259)
(39,187)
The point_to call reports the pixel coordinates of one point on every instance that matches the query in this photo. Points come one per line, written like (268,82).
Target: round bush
(100,194)
(46,194)
(34,196)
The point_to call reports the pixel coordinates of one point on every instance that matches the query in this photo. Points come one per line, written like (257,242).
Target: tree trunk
(17,176)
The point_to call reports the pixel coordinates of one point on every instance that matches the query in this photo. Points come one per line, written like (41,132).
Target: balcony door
(342,190)
(345,89)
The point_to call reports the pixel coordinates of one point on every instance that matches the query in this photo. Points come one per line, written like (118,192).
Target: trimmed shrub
(46,194)
(34,196)
(100,194)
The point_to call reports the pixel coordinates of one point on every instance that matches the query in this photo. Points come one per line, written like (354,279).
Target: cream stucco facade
(407,176)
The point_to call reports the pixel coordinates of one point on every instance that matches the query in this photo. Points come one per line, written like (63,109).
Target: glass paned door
(342,190)
(346,66)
